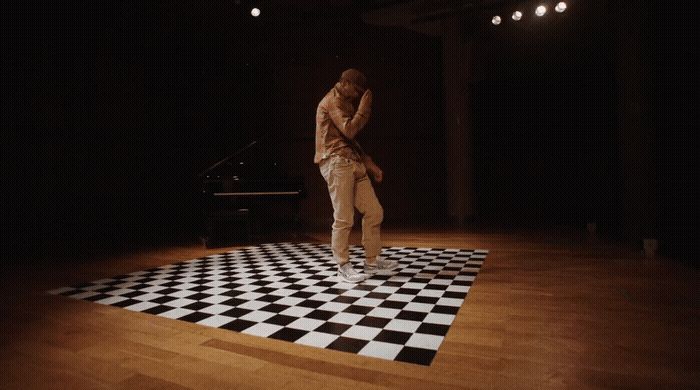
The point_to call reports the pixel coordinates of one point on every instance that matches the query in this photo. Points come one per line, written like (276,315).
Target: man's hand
(365,102)
(373,169)
(377,174)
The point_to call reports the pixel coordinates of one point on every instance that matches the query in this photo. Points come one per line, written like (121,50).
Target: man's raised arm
(351,125)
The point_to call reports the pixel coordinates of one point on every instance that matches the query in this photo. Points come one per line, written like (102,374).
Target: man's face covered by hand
(359,90)
(351,89)
(353,81)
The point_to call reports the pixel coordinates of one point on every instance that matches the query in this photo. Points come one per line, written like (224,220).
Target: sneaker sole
(380,271)
(343,280)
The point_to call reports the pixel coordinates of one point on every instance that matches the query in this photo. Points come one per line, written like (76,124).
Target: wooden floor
(547,310)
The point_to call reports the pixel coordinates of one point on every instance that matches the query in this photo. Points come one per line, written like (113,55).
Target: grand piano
(248,193)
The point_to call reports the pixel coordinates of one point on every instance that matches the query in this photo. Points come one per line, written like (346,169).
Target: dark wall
(670,49)
(545,136)
(99,103)
(590,116)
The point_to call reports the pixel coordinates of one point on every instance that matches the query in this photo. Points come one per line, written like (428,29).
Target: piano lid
(254,161)
(251,172)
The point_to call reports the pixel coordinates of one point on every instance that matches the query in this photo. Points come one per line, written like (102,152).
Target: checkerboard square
(195,317)
(297,311)
(238,325)
(375,322)
(280,319)
(333,328)
(346,318)
(317,339)
(434,329)
(307,324)
(424,341)
(262,329)
(362,332)
(157,310)
(411,315)
(416,355)
(176,313)
(384,312)
(215,321)
(257,316)
(403,325)
(288,334)
(347,344)
(141,306)
(235,312)
(393,336)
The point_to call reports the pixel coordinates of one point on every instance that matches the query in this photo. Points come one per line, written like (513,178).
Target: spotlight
(496,20)
(541,10)
(561,7)
(517,15)
(255,12)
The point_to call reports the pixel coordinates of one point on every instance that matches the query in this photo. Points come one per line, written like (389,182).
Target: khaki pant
(350,188)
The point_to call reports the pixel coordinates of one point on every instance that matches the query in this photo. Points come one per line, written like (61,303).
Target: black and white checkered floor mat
(290,291)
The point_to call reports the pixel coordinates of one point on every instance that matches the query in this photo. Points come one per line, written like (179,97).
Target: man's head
(354,81)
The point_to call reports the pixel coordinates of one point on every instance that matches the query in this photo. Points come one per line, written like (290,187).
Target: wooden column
(636,136)
(457,70)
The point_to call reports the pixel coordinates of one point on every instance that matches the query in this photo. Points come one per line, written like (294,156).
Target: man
(345,167)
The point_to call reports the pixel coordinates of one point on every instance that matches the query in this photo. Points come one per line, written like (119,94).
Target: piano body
(248,192)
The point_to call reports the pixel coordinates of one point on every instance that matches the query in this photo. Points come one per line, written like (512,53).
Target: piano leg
(225,228)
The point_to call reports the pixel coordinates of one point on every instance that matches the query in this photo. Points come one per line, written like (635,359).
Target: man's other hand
(365,102)
(378,175)
(375,172)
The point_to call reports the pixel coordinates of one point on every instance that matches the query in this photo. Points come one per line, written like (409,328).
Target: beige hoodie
(337,124)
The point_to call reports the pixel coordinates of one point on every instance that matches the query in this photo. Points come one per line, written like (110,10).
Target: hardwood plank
(145,382)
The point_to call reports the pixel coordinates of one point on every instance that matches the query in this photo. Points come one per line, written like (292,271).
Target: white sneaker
(348,274)
(381,265)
